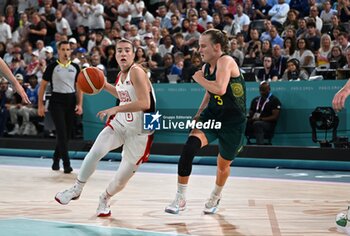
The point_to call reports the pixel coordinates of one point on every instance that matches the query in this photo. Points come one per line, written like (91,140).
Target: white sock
(79,185)
(106,195)
(181,189)
(217,190)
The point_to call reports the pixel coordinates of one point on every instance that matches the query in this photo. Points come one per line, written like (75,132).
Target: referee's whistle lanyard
(263,106)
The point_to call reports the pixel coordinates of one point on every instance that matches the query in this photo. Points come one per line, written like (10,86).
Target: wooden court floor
(250,206)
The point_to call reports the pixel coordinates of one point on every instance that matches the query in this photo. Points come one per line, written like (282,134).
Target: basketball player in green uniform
(224,102)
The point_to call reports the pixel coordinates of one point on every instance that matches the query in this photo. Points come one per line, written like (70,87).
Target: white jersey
(127,94)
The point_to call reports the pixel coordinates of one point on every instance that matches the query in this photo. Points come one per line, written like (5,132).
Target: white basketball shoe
(211,206)
(103,209)
(342,221)
(179,204)
(66,196)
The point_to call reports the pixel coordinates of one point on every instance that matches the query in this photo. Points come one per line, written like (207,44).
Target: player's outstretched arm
(111,89)
(341,96)
(6,72)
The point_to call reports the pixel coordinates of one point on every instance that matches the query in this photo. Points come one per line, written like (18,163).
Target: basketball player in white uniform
(6,72)
(124,127)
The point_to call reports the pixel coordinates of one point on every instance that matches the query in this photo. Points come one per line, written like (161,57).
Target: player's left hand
(105,114)
(199,75)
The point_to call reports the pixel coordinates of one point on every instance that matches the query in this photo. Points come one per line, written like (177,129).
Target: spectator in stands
(175,25)
(194,19)
(312,37)
(156,34)
(155,61)
(164,20)
(347,66)
(40,46)
(47,15)
(3,109)
(263,114)
(11,18)
(242,45)
(73,44)
(336,58)
(266,34)
(168,66)
(235,52)
(294,71)
(302,6)
(324,51)
(335,21)
(254,45)
(278,13)
(141,57)
(82,9)
(166,47)
(30,110)
(205,18)
(301,31)
(343,41)
(279,61)
(109,61)
(148,16)
(110,11)
(290,32)
(288,47)
(292,20)
(327,12)
(70,13)
(136,8)
(262,10)
(193,67)
(95,17)
(206,5)
(218,24)
(62,25)
(242,19)
(37,30)
(249,9)
(314,16)
(275,38)
(16,66)
(268,73)
(344,11)
(13,105)
(33,66)
(23,29)
(266,49)
(231,27)
(185,25)
(180,46)
(304,54)
(231,6)
(192,36)
(5,30)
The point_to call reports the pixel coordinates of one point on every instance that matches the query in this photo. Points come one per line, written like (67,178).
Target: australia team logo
(151,121)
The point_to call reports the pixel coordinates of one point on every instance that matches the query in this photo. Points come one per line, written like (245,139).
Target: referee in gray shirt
(65,102)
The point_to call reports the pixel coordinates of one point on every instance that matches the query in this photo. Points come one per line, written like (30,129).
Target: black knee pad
(190,149)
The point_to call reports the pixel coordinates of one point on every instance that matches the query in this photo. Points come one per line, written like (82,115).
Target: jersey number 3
(219,100)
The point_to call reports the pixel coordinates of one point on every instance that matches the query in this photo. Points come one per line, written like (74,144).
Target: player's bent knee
(190,149)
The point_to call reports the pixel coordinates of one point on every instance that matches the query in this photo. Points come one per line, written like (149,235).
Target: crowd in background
(272,40)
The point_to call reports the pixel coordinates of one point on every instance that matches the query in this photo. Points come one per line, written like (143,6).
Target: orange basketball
(91,80)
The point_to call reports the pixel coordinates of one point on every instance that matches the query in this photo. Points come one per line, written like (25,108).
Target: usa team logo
(151,121)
